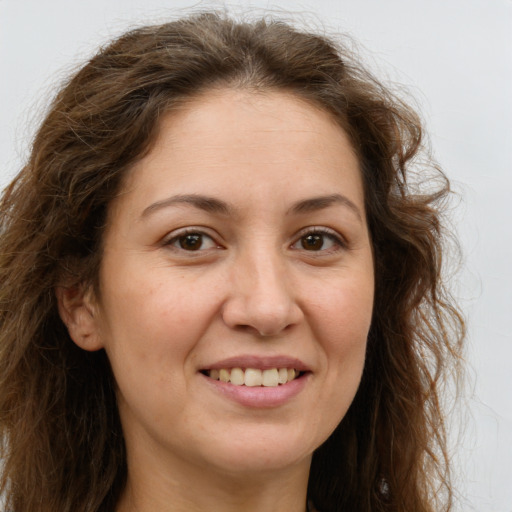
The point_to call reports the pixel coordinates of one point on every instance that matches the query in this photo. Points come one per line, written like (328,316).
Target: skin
(252,286)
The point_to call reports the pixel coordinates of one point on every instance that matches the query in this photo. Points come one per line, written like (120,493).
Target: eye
(317,240)
(192,241)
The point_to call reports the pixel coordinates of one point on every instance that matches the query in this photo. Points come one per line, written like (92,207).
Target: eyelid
(174,235)
(339,240)
(334,235)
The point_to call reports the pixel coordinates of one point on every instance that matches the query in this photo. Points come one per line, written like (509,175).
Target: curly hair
(62,443)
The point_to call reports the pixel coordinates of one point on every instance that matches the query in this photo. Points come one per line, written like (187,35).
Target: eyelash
(338,242)
(171,242)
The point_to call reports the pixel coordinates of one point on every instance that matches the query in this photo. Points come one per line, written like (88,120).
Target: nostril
(256,331)
(262,310)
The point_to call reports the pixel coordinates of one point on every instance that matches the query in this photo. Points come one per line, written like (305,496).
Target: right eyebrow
(321,202)
(206,203)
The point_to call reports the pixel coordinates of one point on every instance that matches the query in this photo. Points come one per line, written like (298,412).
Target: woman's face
(237,250)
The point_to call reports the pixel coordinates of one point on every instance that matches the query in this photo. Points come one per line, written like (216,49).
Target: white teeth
(271,378)
(254,377)
(237,376)
(282,375)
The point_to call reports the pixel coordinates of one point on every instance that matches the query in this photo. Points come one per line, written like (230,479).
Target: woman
(219,289)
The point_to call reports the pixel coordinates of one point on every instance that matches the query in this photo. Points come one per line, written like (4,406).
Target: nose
(262,297)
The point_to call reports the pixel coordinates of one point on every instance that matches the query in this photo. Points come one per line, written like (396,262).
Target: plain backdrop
(454,57)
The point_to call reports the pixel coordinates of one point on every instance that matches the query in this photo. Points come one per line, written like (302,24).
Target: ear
(78,311)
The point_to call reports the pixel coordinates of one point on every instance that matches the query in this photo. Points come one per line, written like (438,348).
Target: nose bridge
(262,296)
(267,278)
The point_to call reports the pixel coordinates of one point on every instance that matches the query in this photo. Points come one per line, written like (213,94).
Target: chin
(263,450)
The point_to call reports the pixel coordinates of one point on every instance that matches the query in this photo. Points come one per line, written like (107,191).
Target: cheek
(342,317)
(149,335)
(344,307)
(341,320)
(154,320)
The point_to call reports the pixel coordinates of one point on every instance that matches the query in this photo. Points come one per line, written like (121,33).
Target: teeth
(237,376)
(271,378)
(254,377)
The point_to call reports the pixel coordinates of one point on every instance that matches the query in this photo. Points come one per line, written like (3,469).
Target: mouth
(254,377)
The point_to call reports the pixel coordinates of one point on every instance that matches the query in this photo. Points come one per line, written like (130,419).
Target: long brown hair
(62,442)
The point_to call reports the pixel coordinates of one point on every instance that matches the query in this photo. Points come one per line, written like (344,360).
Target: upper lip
(259,362)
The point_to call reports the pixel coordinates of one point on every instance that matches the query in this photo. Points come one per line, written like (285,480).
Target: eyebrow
(322,202)
(213,205)
(208,204)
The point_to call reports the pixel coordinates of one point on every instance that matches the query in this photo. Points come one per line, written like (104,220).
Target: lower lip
(260,396)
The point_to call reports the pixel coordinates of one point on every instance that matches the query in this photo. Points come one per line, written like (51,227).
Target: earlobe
(77,309)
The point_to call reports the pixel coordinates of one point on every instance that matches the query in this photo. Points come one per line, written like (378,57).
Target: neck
(185,488)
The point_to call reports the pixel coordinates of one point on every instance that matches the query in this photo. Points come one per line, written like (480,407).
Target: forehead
(225,140)
(215,114)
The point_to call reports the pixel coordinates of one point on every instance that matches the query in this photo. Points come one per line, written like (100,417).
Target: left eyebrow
(206,203)
(322,202)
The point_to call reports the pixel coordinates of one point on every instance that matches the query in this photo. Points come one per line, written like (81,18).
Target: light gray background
(455,57)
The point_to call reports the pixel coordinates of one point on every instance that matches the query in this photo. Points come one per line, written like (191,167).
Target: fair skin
(238,242)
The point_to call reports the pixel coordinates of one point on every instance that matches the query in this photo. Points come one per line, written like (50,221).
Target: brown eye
(191,242)
(312,242)
(321,240)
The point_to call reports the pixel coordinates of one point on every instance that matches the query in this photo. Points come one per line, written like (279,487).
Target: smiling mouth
(254,377)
